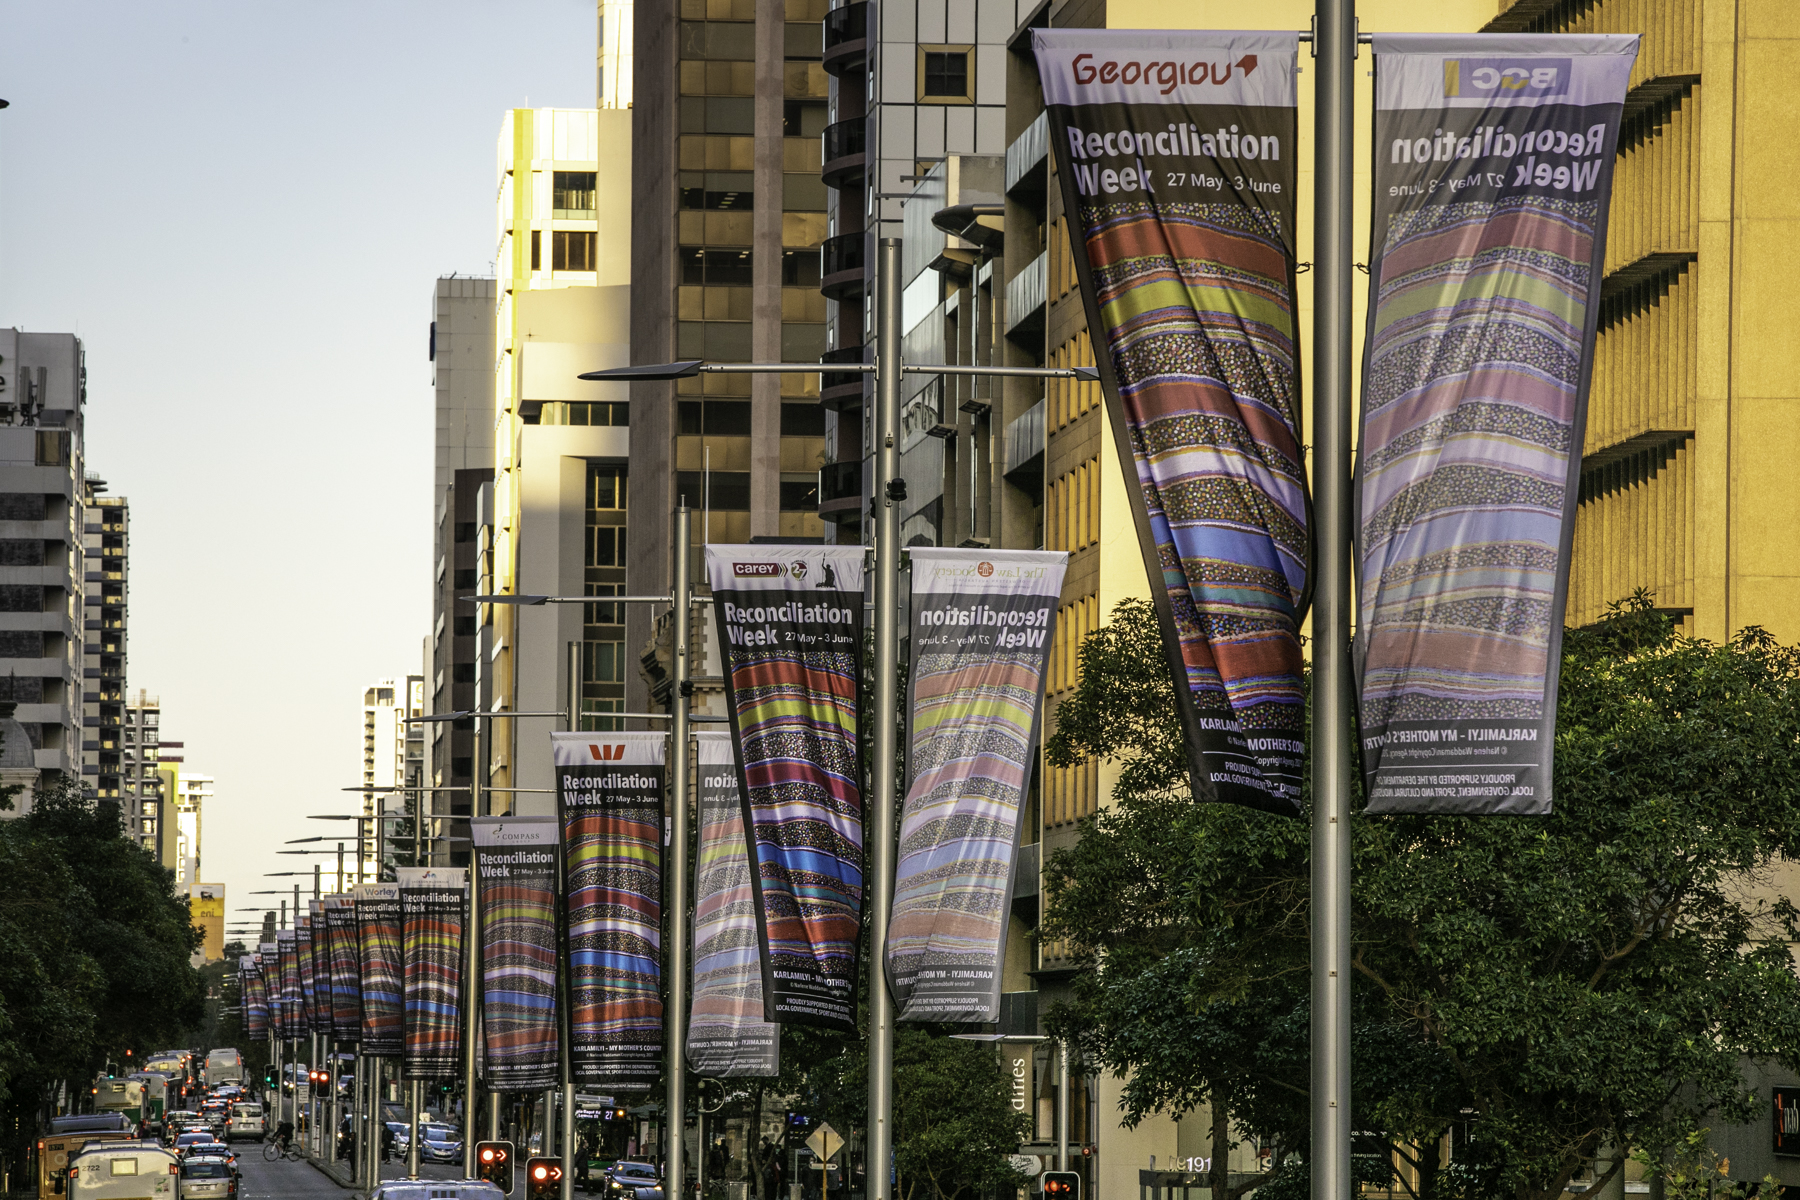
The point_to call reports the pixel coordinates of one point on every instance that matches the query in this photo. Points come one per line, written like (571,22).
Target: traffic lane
(301,1180)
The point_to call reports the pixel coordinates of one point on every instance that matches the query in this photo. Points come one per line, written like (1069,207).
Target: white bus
(124,1171)
(224,1066)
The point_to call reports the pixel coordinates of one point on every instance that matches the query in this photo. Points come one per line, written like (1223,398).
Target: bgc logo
(1505,79)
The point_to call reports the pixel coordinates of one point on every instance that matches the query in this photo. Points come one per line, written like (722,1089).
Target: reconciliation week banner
(346,968)
(379,924)
(790,619)
(727,1035)
(982,622)
(318,991)
(305,932)
(434,916)
(287,1007)
(516,870)
(1493,173)
(609,797)
(251,996)
(1176,154)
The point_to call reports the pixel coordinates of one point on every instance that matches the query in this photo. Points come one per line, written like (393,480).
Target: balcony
(1026,158)
(841,266)
(1025,294)
(840,492)
(839,390)
(1025,449)
(846,39)
(842,153)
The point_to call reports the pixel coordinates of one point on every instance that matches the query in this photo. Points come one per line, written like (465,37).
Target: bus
(224,1066)
(67,1136)
(124,1171)
(156,1096)
(120,1096)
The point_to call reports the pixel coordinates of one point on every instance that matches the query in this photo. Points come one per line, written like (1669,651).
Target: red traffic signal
(493,1162)
(1063,1185)
(543,1178)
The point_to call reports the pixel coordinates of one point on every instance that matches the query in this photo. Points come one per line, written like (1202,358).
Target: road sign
(825,1142)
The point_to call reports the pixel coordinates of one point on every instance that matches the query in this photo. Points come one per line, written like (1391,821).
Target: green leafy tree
(1554,986)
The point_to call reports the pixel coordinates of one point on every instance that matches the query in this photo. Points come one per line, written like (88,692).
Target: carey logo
(742,569)
(1505,79)
(606,753)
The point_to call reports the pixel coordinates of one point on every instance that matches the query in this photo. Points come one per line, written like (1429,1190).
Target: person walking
(387,1142)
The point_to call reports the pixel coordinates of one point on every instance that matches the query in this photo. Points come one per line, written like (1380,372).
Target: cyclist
(284,1134)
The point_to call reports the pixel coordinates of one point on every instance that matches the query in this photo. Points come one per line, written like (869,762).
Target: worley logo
(740,570)
(1505,79)
(606,753)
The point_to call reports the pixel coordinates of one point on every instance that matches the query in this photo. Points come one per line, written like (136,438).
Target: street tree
(1557,990)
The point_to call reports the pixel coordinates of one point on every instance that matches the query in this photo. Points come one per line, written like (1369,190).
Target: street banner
(304,933)
(1176,156)
(982,622)
(287,993)
(346,969)
(253,998)
(515,868)
(727,1035)
(790,621)
(379,925)
(1493,172)
(319,993)
(609,799)
(434,915)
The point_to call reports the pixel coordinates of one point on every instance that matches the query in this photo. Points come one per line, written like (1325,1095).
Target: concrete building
(106,545)
(191,792)
(43,390)
(142,752)
(393,764)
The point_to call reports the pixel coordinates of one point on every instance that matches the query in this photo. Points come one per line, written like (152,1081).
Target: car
(247,1121)
(632,1181)
(207,1179)
(186,1143)
(212,1154)
(436,1189)
(439,1143)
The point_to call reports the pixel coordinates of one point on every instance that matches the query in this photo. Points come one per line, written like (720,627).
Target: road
(283,1180)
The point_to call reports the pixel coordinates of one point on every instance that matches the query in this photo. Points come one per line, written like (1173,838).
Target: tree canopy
(1554,990)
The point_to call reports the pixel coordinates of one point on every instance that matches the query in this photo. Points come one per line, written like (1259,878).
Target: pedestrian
(387,1142)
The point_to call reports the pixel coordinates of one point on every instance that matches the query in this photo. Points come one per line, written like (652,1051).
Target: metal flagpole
(675,1014)
(1062,1106)
(1334,48)
(412,1137)
(472,959)
(878,824)
(565,993)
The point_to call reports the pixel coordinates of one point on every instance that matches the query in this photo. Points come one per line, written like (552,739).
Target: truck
(224,1066)
(66,1138)
(124,1171)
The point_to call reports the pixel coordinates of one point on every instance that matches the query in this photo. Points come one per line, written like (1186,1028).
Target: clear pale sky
(241,209)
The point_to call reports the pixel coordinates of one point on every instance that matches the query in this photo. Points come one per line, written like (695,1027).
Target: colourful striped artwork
(254,999)
(319,984)
(982,627)
(1187,274)
(515,867)
(434,913)
(304,933)
(610,803)
(727,1035)
(288,1007)
(378,920)
(346,969)
(790,619)
(1481,331)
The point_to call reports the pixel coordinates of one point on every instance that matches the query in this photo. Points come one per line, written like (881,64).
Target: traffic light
(543,1177)
(1063,1185)
(494,1163)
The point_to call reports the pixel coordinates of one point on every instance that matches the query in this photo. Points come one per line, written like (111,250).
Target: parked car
(207,1179)
(247,1121)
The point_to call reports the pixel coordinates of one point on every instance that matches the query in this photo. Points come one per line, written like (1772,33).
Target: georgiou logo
(1505,79)
(606,753)
(1166,75)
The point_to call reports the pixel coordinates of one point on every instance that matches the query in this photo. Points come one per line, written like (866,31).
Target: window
(797,496)
(718,191)
(720,268)
(725,491)
(537,250)
(572,250)
(52,448)
(944,75)
(572,194)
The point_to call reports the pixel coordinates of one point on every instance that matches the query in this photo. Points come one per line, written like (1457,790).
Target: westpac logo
(1504,78)
(606,753)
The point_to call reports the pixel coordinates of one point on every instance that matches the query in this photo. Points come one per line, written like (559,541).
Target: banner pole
(675,1017)
(878,824)
(1334,50)
(478,800)
(565,993)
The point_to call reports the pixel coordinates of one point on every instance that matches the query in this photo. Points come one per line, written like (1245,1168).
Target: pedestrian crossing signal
(1062,1185)
(494,1163)
(543,1178)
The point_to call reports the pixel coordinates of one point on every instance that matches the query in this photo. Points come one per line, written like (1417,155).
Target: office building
(106,545)
(191,792)
(393,763)
(552,521)
(43,492)
(462,378)
(139,782)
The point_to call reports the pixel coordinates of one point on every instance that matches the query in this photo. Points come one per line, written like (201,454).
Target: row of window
(707,267)
(570,250)
(1072,509)
(729,491)
(1067,399)
(731,418)
(1071,793)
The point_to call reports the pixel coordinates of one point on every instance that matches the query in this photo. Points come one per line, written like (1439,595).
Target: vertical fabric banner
(253,998)
(304,932)
(609,798)
(379,924)
(981,634)
(1176,156)
(318,1010)
(790,619)
(515,868)
(288,1026)
(346,969)
(434,916)
(727,1035)
(1493,172)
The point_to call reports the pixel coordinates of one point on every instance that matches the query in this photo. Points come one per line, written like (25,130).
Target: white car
(247,1121)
